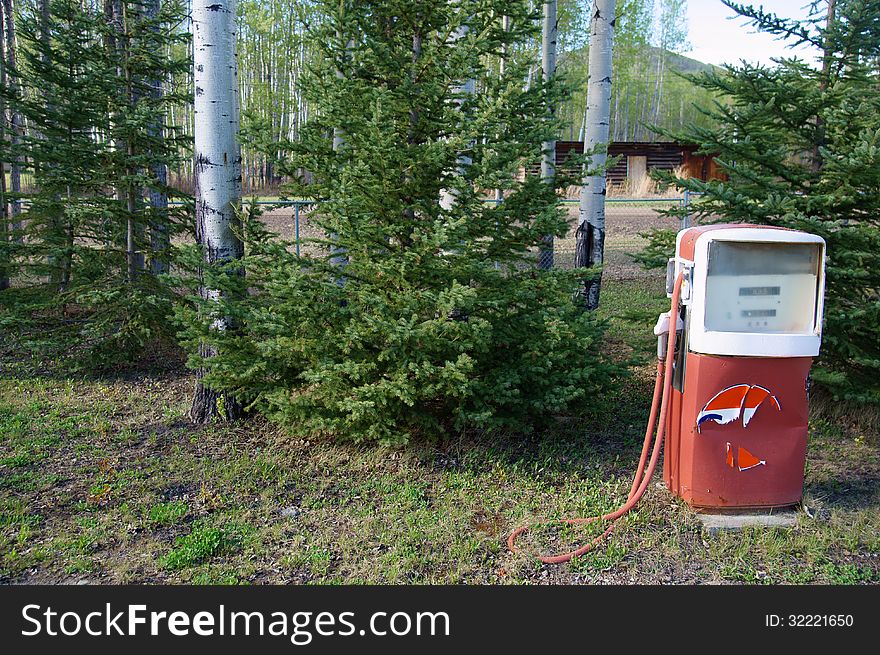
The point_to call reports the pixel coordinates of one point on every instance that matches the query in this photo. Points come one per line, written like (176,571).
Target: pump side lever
(661,329)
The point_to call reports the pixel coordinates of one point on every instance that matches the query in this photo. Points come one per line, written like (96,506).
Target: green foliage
(801,145)
(96,151)
(660,248)
(198,546)
(167,513)
(272,50)
(850,574)
(436,321)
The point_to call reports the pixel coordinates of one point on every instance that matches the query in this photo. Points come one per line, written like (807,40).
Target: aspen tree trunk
(186,180)
(548,163)
(45,36)
(502,71)
(217,167)
(59,222)
(582,132)
(159,241)
(113,42)
(4,209)
(4,229)
(657,98)
(466,88)
(15,127)
(590,246)
(134,255)
(823,85)
(338,254)
(616,134)
(411,134)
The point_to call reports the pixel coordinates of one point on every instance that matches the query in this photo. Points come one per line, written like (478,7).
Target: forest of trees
(101,141)
(647,89)
(650,36)
(274,52)
(88,145)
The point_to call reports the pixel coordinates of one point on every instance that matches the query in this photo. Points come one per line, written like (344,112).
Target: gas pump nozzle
(661,330)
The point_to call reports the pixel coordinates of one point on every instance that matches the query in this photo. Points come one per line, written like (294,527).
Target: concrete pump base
(714,523)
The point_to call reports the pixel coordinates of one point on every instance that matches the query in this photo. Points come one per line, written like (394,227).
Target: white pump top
(755,291)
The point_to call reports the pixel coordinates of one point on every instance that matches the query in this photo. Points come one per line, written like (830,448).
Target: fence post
(686,203)
(296,224)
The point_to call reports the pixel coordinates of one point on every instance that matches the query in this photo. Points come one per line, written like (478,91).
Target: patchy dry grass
(104,480)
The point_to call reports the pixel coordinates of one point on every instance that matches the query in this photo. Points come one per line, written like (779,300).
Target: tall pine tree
(440,320)
(800,142)
(96,133)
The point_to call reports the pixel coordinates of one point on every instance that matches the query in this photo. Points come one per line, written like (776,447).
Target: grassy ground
(103,480)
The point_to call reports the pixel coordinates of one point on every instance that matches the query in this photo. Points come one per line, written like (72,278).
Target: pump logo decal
(739,400)
(744,459)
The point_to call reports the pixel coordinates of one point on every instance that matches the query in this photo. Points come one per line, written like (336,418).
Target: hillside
(646,91)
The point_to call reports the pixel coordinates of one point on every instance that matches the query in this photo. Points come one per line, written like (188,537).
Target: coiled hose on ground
(662,383)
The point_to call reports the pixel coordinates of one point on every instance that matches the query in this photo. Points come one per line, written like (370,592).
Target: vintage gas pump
(751,322)
(733,355)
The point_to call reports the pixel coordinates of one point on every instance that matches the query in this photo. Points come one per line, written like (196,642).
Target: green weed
(167,513)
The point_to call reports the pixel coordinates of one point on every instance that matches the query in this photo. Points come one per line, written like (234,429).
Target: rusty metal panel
(737,435)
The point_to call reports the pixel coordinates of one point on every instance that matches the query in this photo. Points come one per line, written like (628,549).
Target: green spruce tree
(800,142)
(96,138)
(436,318)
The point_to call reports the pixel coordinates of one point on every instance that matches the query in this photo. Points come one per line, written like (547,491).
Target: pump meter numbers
(759,291)
(808,621)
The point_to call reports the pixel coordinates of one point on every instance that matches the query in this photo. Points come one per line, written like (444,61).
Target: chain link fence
(625,220)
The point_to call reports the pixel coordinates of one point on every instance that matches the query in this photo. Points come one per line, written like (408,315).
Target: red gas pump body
(737,423)
(728,465)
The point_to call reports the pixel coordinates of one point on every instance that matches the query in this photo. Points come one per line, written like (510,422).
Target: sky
(715,38)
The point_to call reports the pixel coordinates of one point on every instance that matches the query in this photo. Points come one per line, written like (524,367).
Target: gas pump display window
(762,287)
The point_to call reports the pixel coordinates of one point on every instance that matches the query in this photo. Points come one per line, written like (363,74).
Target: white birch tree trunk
(159,240)
(338,254)
(462,90)
(134,255)
(217,164)
(502,71)
(14,117)
(590,245)
(4,216)
(548,162)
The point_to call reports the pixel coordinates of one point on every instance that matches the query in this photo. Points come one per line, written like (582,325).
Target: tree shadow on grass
(607,435)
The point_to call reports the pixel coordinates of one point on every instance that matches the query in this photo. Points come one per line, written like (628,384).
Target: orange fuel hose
(642,477)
